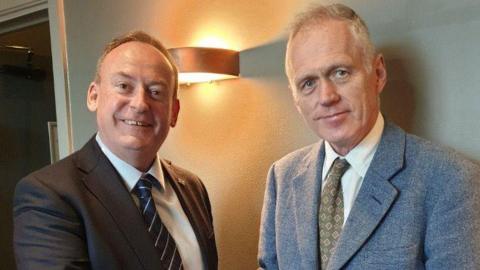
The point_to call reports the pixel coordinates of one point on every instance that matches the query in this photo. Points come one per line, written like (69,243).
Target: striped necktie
(330,213)
(164,242)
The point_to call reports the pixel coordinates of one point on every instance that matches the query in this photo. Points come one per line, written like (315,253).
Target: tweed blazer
(77,214)
(418,208)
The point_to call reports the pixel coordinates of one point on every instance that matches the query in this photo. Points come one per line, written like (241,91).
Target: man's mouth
(135,123)
(330,116)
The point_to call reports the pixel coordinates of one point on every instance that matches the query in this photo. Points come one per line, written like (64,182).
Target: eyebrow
(122,74)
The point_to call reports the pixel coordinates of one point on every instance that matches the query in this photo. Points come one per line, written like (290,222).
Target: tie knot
(143,188)
(339,167)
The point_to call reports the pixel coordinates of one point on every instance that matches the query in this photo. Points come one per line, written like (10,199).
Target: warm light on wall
(198,64)
(212,42)
(214,34)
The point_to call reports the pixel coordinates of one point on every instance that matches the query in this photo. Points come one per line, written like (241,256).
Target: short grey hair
(320,13)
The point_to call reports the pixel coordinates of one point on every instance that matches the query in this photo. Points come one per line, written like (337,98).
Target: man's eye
(307,86)
(341,74)
(157,93)
(122,86)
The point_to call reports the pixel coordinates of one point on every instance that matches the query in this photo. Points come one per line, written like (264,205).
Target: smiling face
(335,88)
(134,102)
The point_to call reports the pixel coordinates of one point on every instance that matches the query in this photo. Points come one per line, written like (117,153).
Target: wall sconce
(198,64)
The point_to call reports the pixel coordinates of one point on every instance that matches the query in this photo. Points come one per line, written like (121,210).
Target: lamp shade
(199,64)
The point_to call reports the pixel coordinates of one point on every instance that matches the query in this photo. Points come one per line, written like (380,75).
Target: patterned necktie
(331,210)
(163,240)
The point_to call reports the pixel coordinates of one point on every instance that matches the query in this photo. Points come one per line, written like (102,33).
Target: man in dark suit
(114,204)
(367,195)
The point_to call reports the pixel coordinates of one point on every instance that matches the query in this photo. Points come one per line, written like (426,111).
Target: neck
(141,159)
(138,160)
(342,151)
(343,148)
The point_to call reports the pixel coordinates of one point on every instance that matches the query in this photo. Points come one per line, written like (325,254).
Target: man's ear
(380,72)
(174,113)
(92,96)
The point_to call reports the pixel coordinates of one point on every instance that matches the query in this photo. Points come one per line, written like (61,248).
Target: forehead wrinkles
(333,37)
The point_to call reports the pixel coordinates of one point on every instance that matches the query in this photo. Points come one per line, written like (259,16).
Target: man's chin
(137,143)
(338,138)
(134,143)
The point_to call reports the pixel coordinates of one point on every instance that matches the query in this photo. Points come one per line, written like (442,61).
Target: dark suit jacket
(77,214)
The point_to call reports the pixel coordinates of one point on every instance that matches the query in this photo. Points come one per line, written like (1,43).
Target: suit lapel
(190,206)
(307,185)
(375,197)
(102,180)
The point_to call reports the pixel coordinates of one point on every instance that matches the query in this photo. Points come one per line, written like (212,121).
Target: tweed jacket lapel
(307,186)
(103,181)
(375,197)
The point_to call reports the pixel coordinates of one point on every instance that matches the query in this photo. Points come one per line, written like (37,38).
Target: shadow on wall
(401,97)
(256,63)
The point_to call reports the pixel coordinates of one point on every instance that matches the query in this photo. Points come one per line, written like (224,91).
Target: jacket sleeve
(267,251)
(452,239)
(48,233)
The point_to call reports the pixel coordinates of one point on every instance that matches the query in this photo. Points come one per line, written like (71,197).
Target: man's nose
(328,94)
(139,101)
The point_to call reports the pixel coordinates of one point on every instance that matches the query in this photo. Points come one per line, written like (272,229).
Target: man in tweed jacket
(407,203)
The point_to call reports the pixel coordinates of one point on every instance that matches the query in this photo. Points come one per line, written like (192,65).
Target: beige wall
(231,131)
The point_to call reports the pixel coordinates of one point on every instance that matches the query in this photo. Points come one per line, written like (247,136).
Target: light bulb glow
(197,77)
(213,42)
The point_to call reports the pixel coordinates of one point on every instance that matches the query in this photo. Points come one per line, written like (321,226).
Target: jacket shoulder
(54,174)
(295,162)
(68,169)
(436,156)
(298,158)
(180,172)
(184,177)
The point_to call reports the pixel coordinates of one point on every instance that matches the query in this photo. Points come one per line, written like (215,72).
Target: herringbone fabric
(162,238)
(331,210)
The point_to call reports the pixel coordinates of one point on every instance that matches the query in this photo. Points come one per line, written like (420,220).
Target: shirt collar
(361,155)
(130,175)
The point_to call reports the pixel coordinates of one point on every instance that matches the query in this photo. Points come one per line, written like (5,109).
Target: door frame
(32,12)
(14,10)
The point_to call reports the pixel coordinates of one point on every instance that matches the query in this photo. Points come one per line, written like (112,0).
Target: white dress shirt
(168,207)
(359,158)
